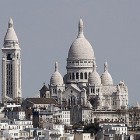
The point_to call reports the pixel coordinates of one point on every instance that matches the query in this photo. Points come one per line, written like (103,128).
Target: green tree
(92,128)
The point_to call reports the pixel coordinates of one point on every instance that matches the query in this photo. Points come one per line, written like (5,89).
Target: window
(85,74)
(69,75)
(39,133)
(73,76)
(91,90)
(81,75)
(9,57)
(77,75)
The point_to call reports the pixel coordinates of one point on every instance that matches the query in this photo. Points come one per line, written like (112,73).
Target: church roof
(76,87)
(44,88)
(108,90)
(81,48)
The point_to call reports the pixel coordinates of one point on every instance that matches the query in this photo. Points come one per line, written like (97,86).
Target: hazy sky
(46,29)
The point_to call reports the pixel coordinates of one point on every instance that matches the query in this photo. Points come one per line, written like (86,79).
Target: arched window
(81,75)
(91,90)
(97,90)
(73,76)
(69,75)
(9,57)
(85,74)
(77,75)
(54,90)
(69,102)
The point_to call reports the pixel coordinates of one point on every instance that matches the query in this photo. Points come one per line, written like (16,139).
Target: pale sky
(47,28)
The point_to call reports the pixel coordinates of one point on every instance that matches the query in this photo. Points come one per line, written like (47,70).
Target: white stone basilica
(82,85)
(82,89)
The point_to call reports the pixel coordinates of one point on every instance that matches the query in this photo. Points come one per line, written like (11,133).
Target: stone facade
(11,66)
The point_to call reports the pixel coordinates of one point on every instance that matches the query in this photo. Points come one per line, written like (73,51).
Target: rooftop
(41,100)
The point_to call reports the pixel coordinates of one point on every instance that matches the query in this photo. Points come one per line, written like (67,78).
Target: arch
(81,75)
(73,76)
(70,76)
(85,75)
(91,90)
(69,102)
(97,90)
(77,75)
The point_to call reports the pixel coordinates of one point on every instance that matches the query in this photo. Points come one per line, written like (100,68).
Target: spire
(10,24)
(56,66)
(137,104)
(94,66)
(10,34)
(80,26)
(105,67)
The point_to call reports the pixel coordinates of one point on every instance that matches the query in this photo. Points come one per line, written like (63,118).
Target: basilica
(82,91)
(82,85)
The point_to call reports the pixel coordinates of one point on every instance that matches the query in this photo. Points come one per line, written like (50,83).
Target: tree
(94,102)
(54,136)
(77,125)
(92,127)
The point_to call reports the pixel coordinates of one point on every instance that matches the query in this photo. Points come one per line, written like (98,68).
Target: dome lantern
(81,28)
(10,24)
(56,66)
(105,66)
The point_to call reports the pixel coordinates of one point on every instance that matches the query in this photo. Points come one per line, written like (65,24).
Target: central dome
(81,48)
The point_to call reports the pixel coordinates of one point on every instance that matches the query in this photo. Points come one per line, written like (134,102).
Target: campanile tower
(11,66)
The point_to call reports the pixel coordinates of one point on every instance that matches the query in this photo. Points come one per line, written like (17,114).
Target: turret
(106,78)
(11,39)
(11,66)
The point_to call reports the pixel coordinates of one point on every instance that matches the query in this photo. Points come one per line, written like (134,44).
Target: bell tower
(11,66)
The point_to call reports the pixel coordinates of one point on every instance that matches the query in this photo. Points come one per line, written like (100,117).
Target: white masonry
(11,66)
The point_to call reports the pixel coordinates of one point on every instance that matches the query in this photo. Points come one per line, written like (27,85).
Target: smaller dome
(106,78)
(56,78)
(94,77)
(136,105)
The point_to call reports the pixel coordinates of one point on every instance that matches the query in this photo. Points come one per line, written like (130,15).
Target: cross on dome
(105,66)
(56,66)
(10,23)
(81,27)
